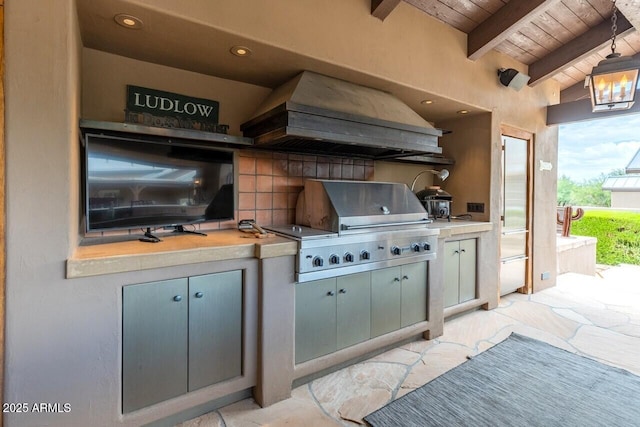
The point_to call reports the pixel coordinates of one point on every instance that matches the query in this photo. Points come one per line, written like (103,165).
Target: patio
(595,316)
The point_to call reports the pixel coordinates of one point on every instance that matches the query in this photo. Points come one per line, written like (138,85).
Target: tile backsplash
(269,183)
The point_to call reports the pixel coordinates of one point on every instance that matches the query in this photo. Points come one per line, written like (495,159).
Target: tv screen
(133,182)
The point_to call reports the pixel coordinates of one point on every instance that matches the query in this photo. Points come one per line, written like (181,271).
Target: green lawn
(618,235)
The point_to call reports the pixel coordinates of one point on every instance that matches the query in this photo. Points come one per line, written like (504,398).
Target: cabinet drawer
(512,274)
(513,243)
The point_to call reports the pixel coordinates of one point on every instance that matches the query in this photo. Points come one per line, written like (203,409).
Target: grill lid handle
(386,224)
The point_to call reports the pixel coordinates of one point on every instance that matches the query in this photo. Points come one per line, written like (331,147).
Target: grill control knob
(365,255)
(396,250)
(318,261)
(415,247)
(348,257)
(334,259)
(425,246)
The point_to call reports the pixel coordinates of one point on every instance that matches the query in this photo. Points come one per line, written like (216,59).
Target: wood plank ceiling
(559,39)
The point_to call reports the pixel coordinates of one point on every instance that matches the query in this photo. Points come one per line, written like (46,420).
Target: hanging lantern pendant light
(612,83)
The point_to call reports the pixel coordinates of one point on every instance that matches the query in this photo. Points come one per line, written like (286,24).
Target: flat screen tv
(148,183)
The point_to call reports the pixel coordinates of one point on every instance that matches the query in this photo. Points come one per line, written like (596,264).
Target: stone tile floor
(596,316)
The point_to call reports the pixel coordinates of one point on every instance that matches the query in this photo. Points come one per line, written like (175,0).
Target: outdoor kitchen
(366,242)
(377,271)
(334,261)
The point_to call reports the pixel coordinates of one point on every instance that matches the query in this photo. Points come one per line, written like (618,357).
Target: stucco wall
(51,353)
(625,199)
(545,148)
(105,77)
(469,143)
(63,336)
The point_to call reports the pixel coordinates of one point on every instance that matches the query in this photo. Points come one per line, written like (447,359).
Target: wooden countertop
(174,250)
(455,227)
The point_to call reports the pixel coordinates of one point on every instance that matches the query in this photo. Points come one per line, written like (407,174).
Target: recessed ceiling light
(240,51)
(463,112)
(426,101)
(128,21)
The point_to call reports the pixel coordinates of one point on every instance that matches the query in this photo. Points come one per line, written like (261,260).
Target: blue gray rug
(520,382)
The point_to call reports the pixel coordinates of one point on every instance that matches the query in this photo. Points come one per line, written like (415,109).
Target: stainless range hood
(316,114)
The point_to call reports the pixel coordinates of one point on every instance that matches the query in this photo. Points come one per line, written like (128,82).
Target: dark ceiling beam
(577,111)
(502,24)
(574,93)
(577,49)
(382,8)
(578,91)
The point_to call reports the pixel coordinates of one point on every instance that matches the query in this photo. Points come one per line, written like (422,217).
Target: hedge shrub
(618,235)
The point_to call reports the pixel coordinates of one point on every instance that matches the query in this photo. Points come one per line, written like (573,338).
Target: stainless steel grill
(346,227)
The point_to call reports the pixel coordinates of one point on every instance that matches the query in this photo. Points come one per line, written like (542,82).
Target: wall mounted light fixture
(442,174)
(512,78)
(612,83)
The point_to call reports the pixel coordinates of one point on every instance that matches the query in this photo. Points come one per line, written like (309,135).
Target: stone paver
(355,391)
(299,410)
(400,355)
(212,419)
(474,327)
(597,343)
(436,361)
(597,317)
(541,316)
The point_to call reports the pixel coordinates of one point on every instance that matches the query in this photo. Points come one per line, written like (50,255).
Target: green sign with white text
(201,113)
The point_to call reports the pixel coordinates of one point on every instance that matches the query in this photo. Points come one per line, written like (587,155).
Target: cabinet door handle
(463,250)
(405,277)
(456,252)
(177,298)
(395,279)
(343,291)
(199,295)
(331,293)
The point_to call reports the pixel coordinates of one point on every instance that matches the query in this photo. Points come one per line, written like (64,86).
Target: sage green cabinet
(155,343)
(315,319)
(398,297)
(180,335)
(331,314)
(386,300)
(459,271)
(354,309)
(414,294)
(215,328)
